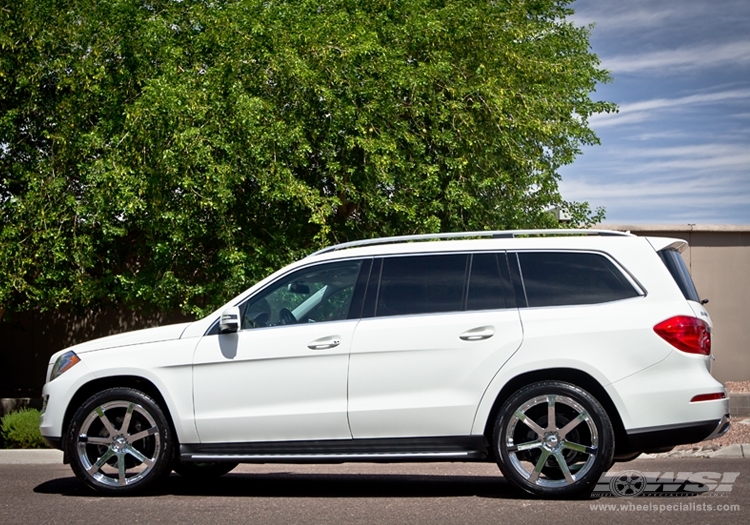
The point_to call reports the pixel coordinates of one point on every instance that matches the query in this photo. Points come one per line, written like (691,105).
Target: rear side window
(677,267)
(571,278)
(422,284)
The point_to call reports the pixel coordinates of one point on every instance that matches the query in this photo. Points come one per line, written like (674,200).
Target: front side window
(572,278)
(317,294)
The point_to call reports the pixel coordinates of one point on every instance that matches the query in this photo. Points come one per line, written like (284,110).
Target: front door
(283,376)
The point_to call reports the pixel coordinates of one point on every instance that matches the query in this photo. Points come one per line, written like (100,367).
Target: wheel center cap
(119,443)
(552,441)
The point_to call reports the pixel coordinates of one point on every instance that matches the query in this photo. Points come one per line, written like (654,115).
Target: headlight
(64,363)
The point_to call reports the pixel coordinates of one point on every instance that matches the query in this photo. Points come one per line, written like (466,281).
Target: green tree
(165,153)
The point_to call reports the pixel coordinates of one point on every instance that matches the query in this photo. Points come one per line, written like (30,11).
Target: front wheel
(553,439)
(119,441)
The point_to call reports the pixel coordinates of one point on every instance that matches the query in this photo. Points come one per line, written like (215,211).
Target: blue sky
(678,151)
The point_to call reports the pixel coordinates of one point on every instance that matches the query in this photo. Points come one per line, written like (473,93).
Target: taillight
(686,333)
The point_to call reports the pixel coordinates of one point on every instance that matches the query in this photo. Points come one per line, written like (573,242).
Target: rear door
(436,329)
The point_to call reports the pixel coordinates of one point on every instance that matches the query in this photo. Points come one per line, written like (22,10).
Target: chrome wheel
(545,448)
(119,441)
(553,439)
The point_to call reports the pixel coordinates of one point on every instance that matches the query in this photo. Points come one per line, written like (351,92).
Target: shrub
(21,429)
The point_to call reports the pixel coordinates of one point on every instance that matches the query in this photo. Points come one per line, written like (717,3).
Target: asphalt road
(433,493)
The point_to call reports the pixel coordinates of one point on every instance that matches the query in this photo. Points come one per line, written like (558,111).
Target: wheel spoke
(564,466)
(97,441)
(140,457)
(140,435)
(551,423)
(102,460)
(126,419)
(121,469)
(529,423)
(105,422)
(525,446)
(539,465)
(579,448)
(583,416)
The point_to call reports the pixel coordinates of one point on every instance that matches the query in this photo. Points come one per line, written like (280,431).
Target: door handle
(478,334)
(324,343)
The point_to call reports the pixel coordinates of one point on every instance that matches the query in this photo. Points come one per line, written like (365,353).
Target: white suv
(553,353)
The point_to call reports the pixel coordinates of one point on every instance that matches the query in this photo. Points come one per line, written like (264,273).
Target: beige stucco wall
(719,261)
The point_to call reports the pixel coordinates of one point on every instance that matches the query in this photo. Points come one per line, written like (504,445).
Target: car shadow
(297,485)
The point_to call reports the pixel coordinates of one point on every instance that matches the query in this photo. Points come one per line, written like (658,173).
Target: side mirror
(230,320)
(300,288)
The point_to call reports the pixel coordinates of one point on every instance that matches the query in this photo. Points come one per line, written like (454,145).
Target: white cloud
(639,111)
(691,161)
(718,199)
(704,182)
(668,61)
(625,19)
(637,17)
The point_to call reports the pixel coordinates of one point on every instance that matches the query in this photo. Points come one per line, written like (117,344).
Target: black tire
(560,460)
(119,442)
(203,470)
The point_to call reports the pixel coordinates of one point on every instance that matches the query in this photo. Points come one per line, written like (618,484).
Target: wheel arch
(123,381)
(570,375)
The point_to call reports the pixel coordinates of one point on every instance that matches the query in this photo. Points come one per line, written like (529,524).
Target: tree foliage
(168,153)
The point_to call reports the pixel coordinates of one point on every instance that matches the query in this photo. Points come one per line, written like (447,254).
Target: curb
(31,457)
(737,451)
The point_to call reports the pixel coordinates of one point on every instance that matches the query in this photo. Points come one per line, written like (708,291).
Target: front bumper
(54,442)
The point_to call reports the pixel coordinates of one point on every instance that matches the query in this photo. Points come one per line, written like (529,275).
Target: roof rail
(497,234)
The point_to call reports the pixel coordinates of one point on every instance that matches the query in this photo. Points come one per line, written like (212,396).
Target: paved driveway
(431,493)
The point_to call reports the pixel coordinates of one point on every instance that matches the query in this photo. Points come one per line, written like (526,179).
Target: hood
(149,335)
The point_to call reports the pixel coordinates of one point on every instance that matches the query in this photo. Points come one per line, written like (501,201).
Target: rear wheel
(119,441)
(553,439)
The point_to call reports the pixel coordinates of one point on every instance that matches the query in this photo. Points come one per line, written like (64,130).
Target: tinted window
(487,290)
(568,278)
(676,266)
(421,284)
(320,293)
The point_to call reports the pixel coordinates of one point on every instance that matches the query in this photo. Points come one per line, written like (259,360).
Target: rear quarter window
(572,278)
(677,267)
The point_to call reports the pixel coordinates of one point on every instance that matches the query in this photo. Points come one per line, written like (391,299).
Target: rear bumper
(661,439)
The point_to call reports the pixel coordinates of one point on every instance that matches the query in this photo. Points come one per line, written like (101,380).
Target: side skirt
(391,450)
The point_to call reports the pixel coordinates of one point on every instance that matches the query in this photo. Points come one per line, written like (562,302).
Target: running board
(392,450)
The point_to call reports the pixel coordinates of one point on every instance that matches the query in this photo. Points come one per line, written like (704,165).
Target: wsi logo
(632,483)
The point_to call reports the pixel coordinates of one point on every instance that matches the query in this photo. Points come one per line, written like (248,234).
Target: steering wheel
(286,317)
